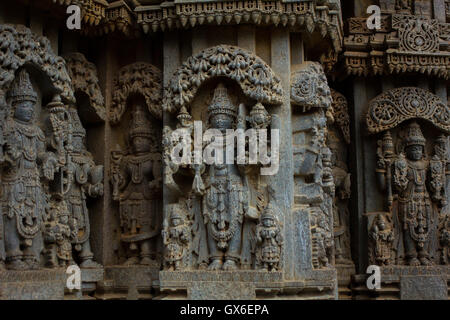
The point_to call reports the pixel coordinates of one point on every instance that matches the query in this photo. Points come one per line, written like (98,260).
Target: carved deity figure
(322,238)
(382,235)
(411,180)
(25,160)
(225,200)
(177,238)
(84,179)
(58,235)
(341,212)
(137,182)
(270,240)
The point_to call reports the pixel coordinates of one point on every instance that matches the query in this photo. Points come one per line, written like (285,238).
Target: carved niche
(31,161)
(231,214)
(412,169)
(338,139)
(136,171)
(314,187)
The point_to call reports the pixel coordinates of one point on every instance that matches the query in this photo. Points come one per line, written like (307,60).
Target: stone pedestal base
(46,284)
(89,280)
(245,285)
(406,283)
(128,282)
(345,273)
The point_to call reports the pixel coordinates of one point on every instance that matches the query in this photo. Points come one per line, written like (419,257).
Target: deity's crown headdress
(414,135)
(269,212)
(77,127)
(221,103)
(140,124)
(183,115)
(22,88)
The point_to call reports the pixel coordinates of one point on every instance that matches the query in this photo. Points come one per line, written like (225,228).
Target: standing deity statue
(270,240)
(177,238)
(25,160)
(84,179)
(414,205)
(382,237)
(225,200)
(137,183)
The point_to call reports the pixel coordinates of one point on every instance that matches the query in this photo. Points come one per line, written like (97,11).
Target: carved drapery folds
(84,79)
(253,75)
(412,169)
(136,174)
(138,78)
(408,41)
(314,187)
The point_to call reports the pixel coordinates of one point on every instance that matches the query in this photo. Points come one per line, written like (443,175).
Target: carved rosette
(84,78)
(138,78)
(254,76)
(19,46)
(393,107)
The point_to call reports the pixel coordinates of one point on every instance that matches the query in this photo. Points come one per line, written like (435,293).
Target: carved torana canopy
(84,78)
(393,107)
(138,78)
(255,77)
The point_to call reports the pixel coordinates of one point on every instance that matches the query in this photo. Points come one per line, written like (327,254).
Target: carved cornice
(405,43)
(84,78)
(92,11)
(255,77)
(308,15)
(18,47)
(340,114)
(139,78)
(309,87)
(392,107)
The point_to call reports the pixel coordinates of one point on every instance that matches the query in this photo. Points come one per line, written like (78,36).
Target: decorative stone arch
(395,106)
(255,77)
(137,78)
(20,47)
(340,114)
(84,79)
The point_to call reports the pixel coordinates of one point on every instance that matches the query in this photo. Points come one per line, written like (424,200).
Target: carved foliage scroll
(255,77)
(137,78)
(19,46)
(395,106)
(84,78)
(340,114)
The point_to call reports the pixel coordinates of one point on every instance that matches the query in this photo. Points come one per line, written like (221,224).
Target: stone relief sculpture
(224,201)
(26,162)
(338,138)
(269,239)
(85,179)
(136,173)
(177,237)
(314,186)
(136,182)
(413,179)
